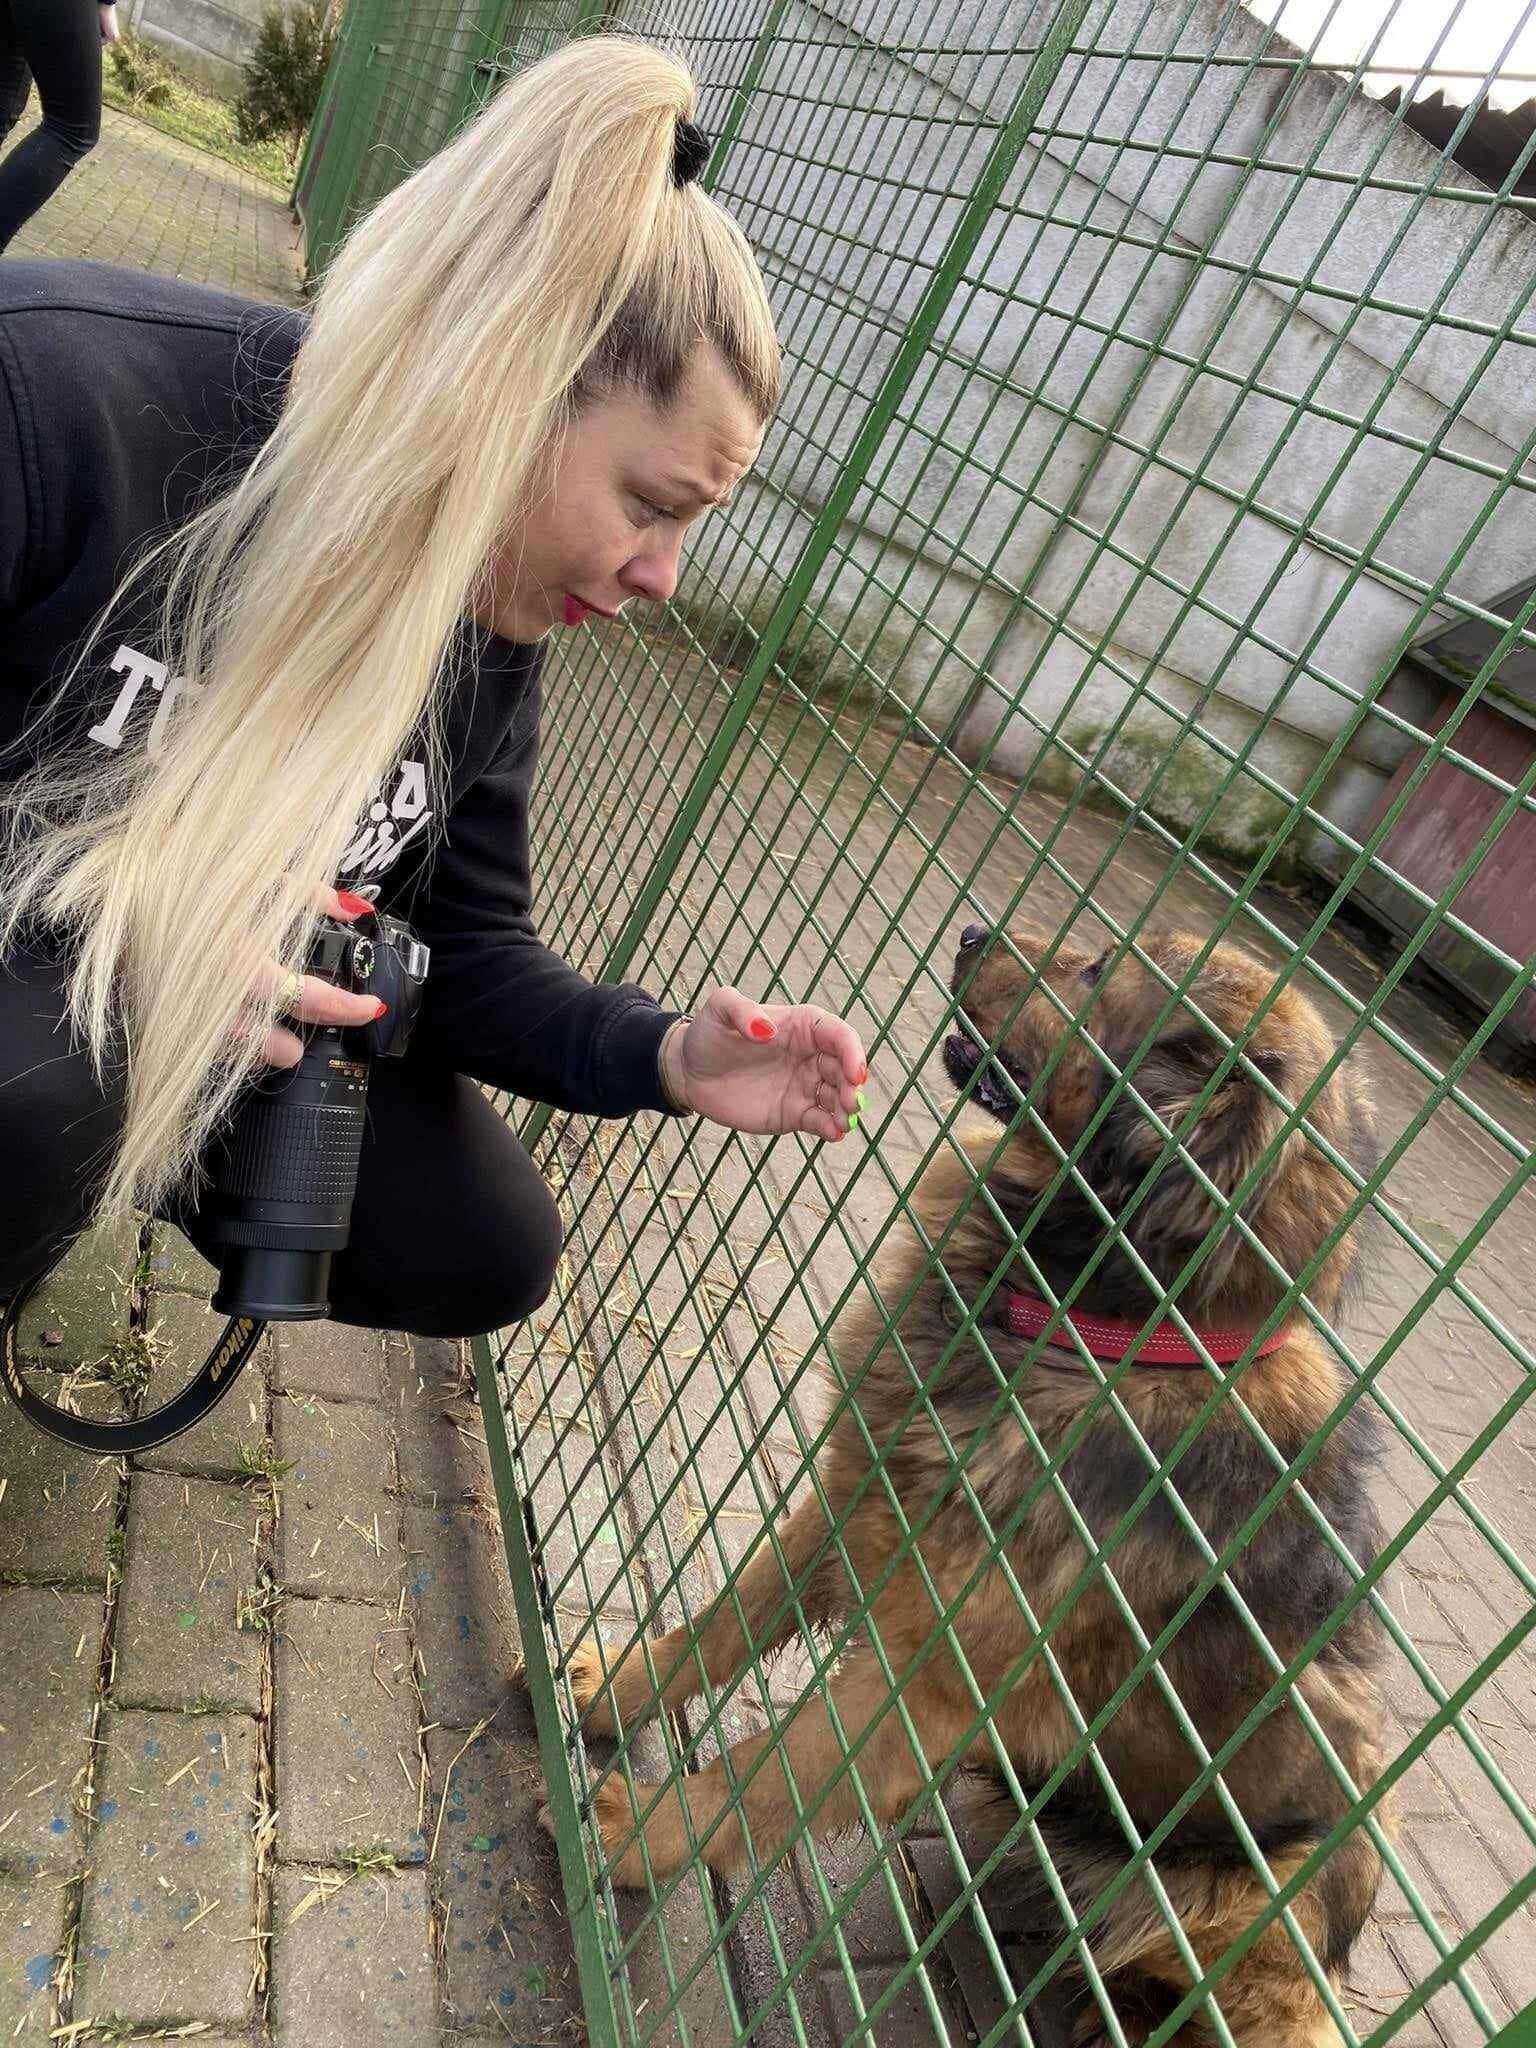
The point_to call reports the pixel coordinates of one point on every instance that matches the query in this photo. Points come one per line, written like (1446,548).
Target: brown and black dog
(1286,1575)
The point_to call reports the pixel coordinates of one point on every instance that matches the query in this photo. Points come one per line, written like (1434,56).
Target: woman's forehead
(704,441)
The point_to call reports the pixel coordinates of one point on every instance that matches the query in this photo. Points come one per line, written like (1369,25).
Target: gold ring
(293,988)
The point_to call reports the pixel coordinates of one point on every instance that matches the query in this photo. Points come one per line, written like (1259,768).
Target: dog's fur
(1286,1574)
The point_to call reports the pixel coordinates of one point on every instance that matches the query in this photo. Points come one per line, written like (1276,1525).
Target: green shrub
(139,71)
(283,76)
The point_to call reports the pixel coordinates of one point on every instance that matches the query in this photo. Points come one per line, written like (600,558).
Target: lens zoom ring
(299,1154)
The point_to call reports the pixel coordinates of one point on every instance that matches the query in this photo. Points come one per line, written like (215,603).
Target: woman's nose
(653,575)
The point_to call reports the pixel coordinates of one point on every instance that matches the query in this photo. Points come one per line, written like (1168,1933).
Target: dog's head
(1298,1196)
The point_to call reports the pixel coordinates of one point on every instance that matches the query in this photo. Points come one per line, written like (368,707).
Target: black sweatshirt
(122,395)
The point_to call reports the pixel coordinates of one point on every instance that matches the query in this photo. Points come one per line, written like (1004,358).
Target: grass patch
(198,117)
(259,1607)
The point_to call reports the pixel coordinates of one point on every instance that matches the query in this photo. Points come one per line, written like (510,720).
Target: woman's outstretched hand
(766,1067)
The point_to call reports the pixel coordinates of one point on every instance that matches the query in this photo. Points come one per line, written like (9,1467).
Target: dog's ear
(1226,1140)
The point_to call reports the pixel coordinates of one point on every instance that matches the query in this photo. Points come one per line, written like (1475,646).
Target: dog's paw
(589,1671)
(614,1818)
(615,1805)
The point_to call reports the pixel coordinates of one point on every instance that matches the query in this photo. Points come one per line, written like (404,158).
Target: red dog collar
(1108,1337)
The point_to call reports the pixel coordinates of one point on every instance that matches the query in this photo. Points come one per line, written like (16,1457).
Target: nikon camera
(284,1174)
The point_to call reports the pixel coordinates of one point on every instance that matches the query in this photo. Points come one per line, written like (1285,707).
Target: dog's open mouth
(962,1056)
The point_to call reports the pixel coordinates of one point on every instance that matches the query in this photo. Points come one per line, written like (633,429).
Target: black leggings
(58,43)
(453,1231)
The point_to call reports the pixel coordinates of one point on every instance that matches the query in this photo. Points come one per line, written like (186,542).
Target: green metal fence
(1152,395)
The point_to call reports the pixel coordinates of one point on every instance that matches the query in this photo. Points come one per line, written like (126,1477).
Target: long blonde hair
(539,260)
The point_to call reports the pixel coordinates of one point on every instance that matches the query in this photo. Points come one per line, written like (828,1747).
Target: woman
(524,374)
(57,44)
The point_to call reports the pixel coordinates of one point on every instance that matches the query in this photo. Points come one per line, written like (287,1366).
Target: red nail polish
(761,1029)
(383,1009)
(861,1077)
(354,905)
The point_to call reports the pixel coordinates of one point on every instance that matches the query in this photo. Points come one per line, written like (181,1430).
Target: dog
(968,1452)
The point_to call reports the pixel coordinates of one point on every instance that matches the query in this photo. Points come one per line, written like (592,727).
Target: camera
(285,1170)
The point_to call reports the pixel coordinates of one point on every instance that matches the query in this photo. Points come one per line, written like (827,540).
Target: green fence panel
(1157,399)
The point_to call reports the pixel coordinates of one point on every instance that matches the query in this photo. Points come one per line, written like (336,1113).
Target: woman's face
(630,482)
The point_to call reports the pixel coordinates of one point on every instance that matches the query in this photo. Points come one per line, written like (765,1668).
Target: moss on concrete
(1244,822)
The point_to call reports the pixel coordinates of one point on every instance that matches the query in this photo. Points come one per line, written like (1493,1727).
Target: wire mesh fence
(1057,1562)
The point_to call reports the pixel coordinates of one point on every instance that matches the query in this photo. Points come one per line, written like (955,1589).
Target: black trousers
(57,43)
(453,1231)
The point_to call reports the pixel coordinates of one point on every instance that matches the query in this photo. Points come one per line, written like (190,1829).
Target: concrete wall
(1047,388)
(207,39)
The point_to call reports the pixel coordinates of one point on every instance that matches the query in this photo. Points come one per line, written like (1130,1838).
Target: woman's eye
(653,511)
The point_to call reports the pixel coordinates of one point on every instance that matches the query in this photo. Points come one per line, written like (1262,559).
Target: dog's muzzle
(962,1056)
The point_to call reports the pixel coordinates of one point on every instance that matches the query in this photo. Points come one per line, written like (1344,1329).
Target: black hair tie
(690,153)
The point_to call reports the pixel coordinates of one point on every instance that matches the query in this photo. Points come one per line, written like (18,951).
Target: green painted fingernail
(853,1122)
(858,1096)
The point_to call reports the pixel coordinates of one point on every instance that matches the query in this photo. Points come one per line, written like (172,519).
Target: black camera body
(285,1172)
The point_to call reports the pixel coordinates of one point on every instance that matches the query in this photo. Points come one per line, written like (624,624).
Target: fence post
(359,107)
(316,164)
(322,114)
(1001,158)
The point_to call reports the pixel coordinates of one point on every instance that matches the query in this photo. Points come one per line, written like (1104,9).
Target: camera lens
(282,1201)
(284,1173)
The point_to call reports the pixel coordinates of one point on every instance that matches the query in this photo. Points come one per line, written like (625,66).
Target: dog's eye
(1095,968)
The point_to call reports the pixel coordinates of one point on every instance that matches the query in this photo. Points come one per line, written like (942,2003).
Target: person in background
(58,43)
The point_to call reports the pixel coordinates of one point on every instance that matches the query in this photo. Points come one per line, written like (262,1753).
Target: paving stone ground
(148,202)
(261,1766)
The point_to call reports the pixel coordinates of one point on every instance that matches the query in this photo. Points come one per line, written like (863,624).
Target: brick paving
(146,201)
(245,1779)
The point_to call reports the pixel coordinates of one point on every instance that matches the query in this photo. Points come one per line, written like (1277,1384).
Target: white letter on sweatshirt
(139,669)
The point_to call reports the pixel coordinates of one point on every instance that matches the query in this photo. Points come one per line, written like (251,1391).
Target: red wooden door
(1443,822)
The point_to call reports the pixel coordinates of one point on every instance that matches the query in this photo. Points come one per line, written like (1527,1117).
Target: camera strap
(218,1373)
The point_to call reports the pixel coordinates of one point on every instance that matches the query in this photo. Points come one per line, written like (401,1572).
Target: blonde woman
(274,596)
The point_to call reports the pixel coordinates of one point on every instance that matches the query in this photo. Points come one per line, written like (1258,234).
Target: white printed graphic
(390,826)
(391,822)
(139,669)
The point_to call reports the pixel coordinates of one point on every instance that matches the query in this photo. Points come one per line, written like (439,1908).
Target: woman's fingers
(836,1039)
(282,1049)
(317,1001)
(833,1084)
(833,1103)
(322,1002)
(731,1007)
(342,903)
